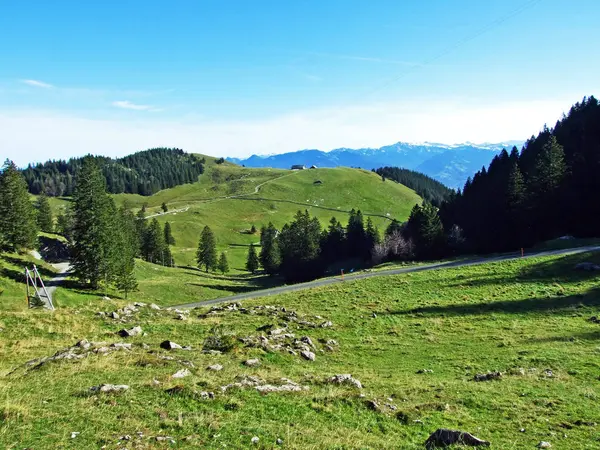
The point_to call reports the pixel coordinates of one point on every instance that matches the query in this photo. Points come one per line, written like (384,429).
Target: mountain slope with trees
(144,173)
(429,189)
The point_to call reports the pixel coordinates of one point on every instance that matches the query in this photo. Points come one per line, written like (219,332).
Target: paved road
(382,273)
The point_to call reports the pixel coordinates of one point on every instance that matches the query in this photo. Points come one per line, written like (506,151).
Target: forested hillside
(429,189)
(144,173)
(548,190)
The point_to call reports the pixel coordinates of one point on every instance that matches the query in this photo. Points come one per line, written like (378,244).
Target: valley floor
(415,341)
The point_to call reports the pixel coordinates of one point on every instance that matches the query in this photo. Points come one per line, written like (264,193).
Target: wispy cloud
(37,83)
(126,104)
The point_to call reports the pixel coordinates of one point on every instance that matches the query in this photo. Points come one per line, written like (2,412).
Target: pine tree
(372,239)
(300,247)
(223,265)
(18,228)
(333,242)
(92,226)
(155,247)
(269,249)
(355,234)
(164,207)
(207,250)
(44,214)
(127,242)
(170,240)
(252,262)
(425,228)
(141,226)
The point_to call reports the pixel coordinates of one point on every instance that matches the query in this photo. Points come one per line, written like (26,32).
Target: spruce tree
(127,242)
(207,250)
(252,261)
(164,207)
(141,226)
(425,228)
(170,240)
(300,247)
(44,214)
(223,265)
(269,249)
(355,234)
(372,239)
(333,242)
(93,226)
(155,247)
(18,227)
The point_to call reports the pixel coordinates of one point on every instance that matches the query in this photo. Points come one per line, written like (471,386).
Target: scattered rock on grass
(169,345)
(544,444)
(424,371)
(181,317)
(345,379)
(309,356)
(444,438)
(487,376)
(154,306)
(109,388)
(181,373)
(135,331)
(592,319)
(114,315)
(255,440)
(215,367)
(254,362)
(74,434)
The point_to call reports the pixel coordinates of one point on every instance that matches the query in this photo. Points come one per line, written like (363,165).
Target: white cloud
(126,104)
(38,136)
(37,83)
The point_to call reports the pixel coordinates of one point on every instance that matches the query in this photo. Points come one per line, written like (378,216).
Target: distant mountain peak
(451,164)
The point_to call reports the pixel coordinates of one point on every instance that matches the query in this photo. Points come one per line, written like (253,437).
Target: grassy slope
(529,314)
(342,189)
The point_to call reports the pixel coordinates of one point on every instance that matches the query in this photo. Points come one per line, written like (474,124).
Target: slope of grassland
(230,199)
(529,319)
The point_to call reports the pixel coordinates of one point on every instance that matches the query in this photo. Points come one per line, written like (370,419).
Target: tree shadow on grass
(233,288)
(10,273)
(587,336)
(556,305)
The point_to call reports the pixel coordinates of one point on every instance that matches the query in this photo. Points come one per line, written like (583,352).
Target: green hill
(230,199)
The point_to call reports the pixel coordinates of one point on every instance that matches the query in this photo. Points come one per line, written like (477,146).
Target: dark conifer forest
(547,190)
(429,189)
(144,173)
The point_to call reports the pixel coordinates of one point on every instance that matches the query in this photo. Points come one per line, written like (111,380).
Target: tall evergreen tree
(355,234)
(252,261)
(92,226)
(141,226)
(169,239)
(127,243)
(270,258)
(44,214)
(425,229)
(372,239)
(18,227)
(299,244)
(333,242)
(207,250)
(223,265)
(155,247)
(515,202)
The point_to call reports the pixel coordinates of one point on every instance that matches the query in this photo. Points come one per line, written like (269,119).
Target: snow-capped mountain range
(450,164)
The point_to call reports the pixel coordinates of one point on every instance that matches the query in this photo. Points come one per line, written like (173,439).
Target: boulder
(135,331)
(309,356)
(169,345)
(252,362)
(444,438)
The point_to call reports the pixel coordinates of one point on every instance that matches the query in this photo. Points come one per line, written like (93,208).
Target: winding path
(382,273)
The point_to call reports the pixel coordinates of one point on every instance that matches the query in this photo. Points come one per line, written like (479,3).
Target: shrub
(220,339)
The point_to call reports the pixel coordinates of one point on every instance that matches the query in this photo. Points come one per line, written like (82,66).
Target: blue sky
(233,78)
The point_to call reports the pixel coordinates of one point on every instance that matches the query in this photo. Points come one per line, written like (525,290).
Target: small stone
(544,444)
(372,405)
(279,441)
(487,376)
(83,344)
(155,382)
(106,298)
(121,346)
(444,438)
(255,440)
(101,314)
(154,306)
(310,356)
(522,430)
(308,341)
(345,379)
(139,304)
(125,438)
(215,367)
(145,346)
(135,331)
(180,317)
(108,388)
(424,371)
(169,345)
(114,315)
(548,373)
(181,373)
(327,324)
(74,434)
(252,362)
(374,316)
